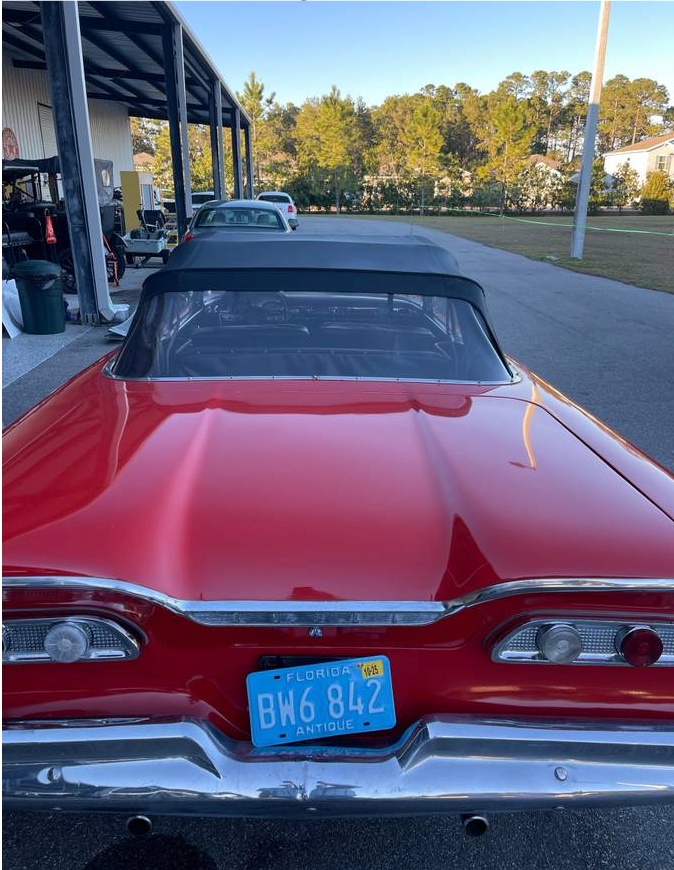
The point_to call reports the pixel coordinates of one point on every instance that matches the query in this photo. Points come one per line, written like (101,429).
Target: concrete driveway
(610,347)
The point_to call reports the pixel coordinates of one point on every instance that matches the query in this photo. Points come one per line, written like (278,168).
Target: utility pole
(583,192)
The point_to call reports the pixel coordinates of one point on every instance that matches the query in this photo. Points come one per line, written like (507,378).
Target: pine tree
(337,140)
(509,143)
(144,134)
(626,186)
(422,141)
(256,106)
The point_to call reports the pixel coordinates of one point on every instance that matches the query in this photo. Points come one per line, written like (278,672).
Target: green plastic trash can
(41,296)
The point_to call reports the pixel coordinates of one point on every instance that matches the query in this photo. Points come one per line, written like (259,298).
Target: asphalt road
(610,347)
(616,839)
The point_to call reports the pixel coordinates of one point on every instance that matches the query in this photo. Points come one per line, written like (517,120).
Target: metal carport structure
(143,56)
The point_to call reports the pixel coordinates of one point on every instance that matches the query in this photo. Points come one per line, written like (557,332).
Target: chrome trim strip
(568,584)
(336,613)
(108,372)
(442,763)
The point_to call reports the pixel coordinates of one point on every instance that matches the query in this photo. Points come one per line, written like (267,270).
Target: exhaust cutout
(139,826)
(475,826)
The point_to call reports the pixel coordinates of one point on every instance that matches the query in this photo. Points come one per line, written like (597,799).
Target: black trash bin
(41,297)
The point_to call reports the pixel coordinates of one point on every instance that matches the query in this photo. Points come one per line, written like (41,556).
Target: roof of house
(645,144)
(142,159)
(534,159)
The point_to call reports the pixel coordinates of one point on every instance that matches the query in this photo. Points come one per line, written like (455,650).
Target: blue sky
(373,49)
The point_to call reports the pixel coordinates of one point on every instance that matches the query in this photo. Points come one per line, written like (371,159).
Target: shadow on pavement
(151,853)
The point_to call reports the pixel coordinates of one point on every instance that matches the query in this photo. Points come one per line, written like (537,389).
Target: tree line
(447,147)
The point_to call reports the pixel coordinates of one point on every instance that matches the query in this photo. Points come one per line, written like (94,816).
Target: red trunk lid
(316,490)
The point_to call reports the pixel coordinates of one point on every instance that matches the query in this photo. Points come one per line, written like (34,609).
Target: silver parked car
(240,215)
(283,202)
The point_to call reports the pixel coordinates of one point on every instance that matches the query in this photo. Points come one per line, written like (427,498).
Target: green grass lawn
(636,258)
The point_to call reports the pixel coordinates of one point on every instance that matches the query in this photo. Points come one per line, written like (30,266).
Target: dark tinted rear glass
(239,218)
(281,334)
(274,197)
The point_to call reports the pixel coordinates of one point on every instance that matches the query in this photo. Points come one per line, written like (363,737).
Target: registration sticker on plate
(314,702)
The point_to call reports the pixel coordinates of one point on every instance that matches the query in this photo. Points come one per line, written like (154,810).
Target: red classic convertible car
(311,543)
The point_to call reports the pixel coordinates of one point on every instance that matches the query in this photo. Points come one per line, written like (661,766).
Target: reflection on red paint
(315,490)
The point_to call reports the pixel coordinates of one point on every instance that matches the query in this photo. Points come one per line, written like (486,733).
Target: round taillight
(559,643)
(639,645)
(66,642)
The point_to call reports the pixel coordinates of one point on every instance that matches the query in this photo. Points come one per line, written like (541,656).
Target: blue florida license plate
(314,702)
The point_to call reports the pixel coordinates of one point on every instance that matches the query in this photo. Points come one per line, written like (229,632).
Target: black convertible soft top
(408,253)
(364,266)
(406,264)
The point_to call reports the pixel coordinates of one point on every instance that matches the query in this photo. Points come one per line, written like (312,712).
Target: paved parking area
(607,345)
(35,365)
(616,839)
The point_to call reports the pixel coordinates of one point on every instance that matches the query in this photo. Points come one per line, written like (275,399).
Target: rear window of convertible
(282,334)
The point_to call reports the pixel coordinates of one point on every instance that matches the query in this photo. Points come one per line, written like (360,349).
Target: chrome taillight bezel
(599,636)
(123,648)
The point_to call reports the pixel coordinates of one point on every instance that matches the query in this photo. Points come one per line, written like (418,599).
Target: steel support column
(249,163)
(217,153)
(176,104)
(65,72)
(182,106)
(236,153)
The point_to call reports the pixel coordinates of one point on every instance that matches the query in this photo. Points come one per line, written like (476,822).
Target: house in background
(541,182)
(545,164)
(143,162)
(649,155)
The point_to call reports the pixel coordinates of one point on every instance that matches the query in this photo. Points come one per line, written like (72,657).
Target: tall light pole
(583,192)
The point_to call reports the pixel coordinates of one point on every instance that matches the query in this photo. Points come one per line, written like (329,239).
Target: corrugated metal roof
(123,55)
(141,12)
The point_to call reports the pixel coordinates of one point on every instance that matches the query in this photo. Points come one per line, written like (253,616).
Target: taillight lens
(188,236)
(67,640)
(291,208)
(640,646)
(588,641)
(560,644)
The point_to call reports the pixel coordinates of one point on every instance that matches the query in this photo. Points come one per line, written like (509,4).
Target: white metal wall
(24,89)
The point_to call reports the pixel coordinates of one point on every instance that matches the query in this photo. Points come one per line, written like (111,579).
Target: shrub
(656,193)
(626,186)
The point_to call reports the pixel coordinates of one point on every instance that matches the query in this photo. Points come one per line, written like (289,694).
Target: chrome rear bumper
(441,764)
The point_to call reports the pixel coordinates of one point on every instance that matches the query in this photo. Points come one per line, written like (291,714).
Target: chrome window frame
(108,371)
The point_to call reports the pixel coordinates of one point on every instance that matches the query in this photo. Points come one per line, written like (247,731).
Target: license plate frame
(295,704)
